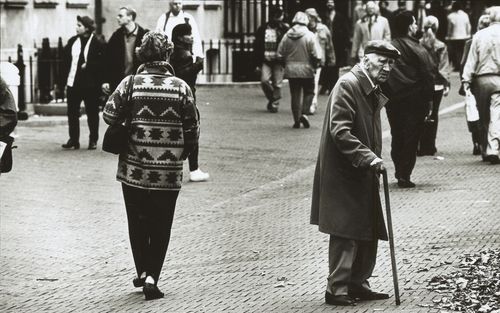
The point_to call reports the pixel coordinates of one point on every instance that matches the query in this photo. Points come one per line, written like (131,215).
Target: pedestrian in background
(401,8)
(267,38)
(383,7)
(370,27)
(473,126)
(299,51)
(345,200)
(326,53)
(187,70)
(175,16)
(459,30)
(339,28)
(410,88)
(482,76)
(83,59)
(439,53)
(437,9)
(420,13)
(8,121)
(120,57)
(163,131)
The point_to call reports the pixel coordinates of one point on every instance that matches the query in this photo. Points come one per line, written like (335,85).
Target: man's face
(80,29)
(312,22)
(378,67)
(123,18)
(175,7)
(421,4)
(413,28)
(330,5)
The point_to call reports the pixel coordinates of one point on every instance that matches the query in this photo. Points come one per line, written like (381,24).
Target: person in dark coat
(438,10)
(120,56)
(339,28)
(345,200)
(410,88)
(187,70)
(83,58)
(267,39)
(401,8)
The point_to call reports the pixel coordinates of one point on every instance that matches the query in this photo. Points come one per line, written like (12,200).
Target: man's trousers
(351,263)
(486,89)
(271,80)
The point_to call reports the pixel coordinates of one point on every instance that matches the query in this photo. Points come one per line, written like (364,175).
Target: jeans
(271,80)
(302,93)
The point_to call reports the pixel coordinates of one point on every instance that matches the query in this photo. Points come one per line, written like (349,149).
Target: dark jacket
(413,72)
(115,56)
(345,199)
(339,29)
(281,29)
(92,75)
(184,67)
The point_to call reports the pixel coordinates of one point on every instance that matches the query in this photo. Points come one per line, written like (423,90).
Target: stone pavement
(241,242)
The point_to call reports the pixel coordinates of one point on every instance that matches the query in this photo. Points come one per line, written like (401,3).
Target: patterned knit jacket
(163,119)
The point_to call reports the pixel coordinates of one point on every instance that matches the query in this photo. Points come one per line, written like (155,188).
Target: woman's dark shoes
(339,300)
(92,145)
(296,125)
(139,282)
(369,295)
(476,150)
(70,145)
(305,121)
(493,159)
(405,183)
(152,292)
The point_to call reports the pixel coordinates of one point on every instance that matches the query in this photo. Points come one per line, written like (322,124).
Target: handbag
(116,137)
(6,157)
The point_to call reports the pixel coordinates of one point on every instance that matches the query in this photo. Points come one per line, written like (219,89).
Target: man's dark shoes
(139,282)
(272,106)
(152,292)
(405,183)
(369,295)
(92,145)
(70,145)
(296,125)
(305,121)
(339,300)
(493,159)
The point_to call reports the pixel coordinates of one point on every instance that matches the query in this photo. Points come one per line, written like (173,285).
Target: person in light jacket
(345,198)
(299,51)
(164,125)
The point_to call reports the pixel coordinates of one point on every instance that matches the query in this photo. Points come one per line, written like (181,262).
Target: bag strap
(167,16)
(130,90)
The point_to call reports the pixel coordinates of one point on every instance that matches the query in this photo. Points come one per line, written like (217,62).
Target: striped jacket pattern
(163,119)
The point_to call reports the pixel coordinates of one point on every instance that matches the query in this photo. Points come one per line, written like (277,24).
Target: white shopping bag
(471,112)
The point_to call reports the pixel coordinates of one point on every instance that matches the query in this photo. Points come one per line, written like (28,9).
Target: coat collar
(367,86)
(156,67)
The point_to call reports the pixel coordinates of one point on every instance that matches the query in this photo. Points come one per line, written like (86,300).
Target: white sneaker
(198,176)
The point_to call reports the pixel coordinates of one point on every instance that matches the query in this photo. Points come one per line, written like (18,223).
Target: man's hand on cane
(378,165)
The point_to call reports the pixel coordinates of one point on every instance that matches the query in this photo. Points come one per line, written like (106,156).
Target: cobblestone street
(242,241)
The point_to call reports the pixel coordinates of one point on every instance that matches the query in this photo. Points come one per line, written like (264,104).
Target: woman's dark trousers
(427,142)
(150,214)
(406,117)
(90,98)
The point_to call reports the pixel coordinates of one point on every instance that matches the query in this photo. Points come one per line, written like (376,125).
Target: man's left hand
(378,165)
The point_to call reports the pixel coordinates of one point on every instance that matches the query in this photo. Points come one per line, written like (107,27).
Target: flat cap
(383,48)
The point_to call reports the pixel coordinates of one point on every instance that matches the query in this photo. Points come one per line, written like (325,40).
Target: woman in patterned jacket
(163,123)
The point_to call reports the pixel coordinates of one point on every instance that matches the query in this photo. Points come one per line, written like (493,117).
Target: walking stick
(391,237)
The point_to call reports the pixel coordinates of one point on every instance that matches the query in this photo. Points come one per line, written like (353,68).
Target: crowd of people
(400,60)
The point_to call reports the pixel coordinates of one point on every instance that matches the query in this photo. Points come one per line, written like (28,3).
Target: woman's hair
(401,23)
(155,46)
(432,22)
(483,22)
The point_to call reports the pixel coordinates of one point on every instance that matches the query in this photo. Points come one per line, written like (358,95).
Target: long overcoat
(346,200)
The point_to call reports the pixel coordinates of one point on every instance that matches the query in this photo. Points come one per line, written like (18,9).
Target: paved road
(241,242)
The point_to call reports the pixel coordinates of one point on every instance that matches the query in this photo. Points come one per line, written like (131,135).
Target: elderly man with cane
(346,202)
